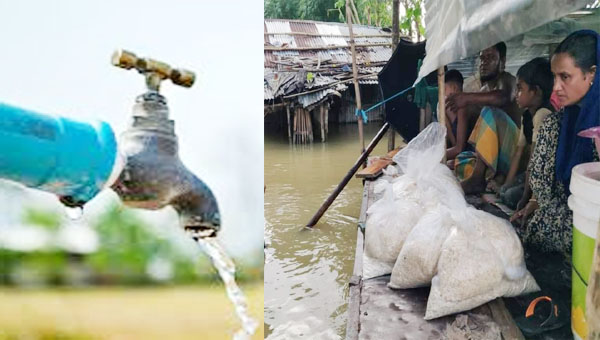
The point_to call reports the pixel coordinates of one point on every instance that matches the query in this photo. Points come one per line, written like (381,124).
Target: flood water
(307,271)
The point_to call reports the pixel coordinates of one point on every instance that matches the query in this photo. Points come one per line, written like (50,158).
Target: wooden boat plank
(375,168)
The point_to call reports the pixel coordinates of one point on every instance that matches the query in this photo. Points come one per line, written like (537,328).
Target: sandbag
(417,262)
(417,184)
(476,265)
(388,223)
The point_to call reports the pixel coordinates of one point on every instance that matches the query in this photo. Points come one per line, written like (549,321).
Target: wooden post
(355,75)
(289,127)
(346,179)
(322,117)
(295,124)
(395,40)
(309,128)
(303,121)
(327,119)
(441,101)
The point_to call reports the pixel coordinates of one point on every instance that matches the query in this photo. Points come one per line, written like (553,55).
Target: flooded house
(308,75)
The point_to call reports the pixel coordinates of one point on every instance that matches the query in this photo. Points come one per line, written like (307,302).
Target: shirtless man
(498,91)
(498,87)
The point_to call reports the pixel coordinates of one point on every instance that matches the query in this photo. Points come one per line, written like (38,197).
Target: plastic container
(585,203)
(59,155)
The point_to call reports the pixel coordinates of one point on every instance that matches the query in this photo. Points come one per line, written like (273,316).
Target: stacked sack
(424,233)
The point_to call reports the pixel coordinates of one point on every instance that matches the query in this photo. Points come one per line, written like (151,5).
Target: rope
(363,113)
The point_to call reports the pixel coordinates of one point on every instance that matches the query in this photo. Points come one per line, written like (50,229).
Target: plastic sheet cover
(457,29)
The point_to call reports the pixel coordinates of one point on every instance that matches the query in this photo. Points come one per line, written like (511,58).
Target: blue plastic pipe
(55,154)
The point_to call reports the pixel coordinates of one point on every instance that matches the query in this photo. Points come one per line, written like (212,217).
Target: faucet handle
(155,71)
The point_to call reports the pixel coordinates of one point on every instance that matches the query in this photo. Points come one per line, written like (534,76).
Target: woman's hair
(582,48)
(536,73)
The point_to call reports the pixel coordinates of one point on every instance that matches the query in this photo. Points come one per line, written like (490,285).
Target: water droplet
(226,269)
(74,213)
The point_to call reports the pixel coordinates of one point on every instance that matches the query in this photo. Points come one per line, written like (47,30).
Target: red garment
(554,101)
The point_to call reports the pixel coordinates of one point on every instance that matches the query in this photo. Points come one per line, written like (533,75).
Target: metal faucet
(154,176)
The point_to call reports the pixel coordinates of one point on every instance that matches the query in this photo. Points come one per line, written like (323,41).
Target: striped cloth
(494,139)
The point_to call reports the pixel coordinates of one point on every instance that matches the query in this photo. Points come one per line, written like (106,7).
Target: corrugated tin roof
(322,49)
(315,97)
(325,41)
(368,81)
(268,92)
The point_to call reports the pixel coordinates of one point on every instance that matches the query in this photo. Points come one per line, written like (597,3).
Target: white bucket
(585,203)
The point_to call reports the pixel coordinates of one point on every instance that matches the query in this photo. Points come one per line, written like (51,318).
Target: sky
(56,59)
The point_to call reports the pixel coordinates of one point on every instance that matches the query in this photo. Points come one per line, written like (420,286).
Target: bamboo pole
(355,75)
(441,101)
(395,39)
(289,128)
(302,122)
(346,179)
(309,125)
(326,121)
(322,117)
(295,125)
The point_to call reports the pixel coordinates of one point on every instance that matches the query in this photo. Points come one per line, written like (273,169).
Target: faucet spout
(154,177)
(197,208)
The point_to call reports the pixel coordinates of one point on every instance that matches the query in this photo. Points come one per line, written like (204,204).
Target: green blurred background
(110,274)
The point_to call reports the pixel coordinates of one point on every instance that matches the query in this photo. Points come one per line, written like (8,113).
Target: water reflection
(307,271)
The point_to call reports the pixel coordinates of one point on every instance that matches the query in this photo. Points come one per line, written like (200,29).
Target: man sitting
(496,131)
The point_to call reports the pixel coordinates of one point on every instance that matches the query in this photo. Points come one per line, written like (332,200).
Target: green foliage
(318,10)
(413,17)
(46,219)
(370,12)
(281,9)
(127,248)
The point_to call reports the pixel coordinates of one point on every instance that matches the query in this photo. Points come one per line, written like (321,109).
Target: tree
(369,12)
(379,13)
(366,12)
(281,9)
(411,23)
(318,10)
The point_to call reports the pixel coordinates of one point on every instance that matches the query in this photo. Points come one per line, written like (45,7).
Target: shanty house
(308,74)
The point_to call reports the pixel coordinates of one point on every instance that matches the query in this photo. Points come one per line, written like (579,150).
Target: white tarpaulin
(457,29)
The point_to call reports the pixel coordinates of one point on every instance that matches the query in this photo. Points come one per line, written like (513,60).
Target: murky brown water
(307,271)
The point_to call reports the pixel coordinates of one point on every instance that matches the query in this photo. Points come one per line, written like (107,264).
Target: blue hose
(59,155)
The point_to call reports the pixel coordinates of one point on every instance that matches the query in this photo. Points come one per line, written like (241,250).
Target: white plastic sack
(417,262)
(425,177)
(477,265)
(388,223)
(421,184)
(423,152)
(505,241)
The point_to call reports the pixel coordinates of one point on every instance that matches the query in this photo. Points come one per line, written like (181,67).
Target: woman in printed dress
(546,220)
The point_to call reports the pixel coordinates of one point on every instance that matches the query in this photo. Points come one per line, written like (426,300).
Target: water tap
(153,175)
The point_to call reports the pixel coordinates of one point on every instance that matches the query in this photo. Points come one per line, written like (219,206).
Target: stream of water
(226,269)
(307,271)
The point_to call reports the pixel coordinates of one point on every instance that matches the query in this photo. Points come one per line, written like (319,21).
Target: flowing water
(226,269)
(74,213)
(307,271)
